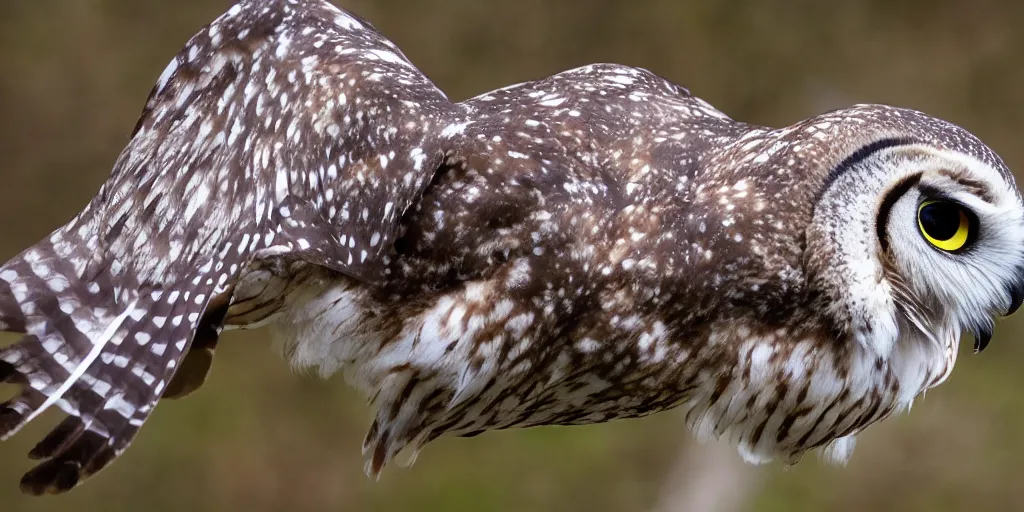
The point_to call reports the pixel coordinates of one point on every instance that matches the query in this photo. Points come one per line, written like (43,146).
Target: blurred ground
(73,76)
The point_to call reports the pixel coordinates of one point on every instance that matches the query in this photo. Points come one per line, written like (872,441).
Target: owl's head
(917,236)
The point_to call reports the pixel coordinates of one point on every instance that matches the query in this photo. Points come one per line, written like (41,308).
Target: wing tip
(68,455)
(10,420)
(8,373)
(59,439)
(12,318)
(51,477)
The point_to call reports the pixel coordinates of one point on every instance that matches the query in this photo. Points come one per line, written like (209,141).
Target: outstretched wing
(284,128)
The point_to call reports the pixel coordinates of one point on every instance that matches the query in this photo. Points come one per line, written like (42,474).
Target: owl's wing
(282,128)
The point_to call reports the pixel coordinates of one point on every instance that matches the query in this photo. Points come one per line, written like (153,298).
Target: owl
(595,245)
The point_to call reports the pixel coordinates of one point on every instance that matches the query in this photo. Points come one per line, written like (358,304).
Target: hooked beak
(982,335)
(1016,298)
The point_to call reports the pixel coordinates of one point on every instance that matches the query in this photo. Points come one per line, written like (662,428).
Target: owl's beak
(982,335)
(1016,298)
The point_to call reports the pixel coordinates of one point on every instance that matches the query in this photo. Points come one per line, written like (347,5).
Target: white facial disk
(956,240)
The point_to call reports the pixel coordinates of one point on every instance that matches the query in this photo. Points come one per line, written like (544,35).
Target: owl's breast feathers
(569,250)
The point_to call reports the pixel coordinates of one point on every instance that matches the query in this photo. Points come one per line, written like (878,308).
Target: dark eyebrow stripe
(861,154)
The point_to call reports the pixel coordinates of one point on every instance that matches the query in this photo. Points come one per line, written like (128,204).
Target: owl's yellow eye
(944,224)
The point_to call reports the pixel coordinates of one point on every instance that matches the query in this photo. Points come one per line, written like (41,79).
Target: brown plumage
(594,245)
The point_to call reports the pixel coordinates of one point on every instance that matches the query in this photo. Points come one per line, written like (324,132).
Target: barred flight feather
(254,143)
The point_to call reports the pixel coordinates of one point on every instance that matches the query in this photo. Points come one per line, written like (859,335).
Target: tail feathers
(105,366)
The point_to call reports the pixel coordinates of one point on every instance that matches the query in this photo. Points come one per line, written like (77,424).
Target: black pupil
(940,220)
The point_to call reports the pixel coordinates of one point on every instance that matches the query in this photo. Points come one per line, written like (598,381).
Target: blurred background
(74,76)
